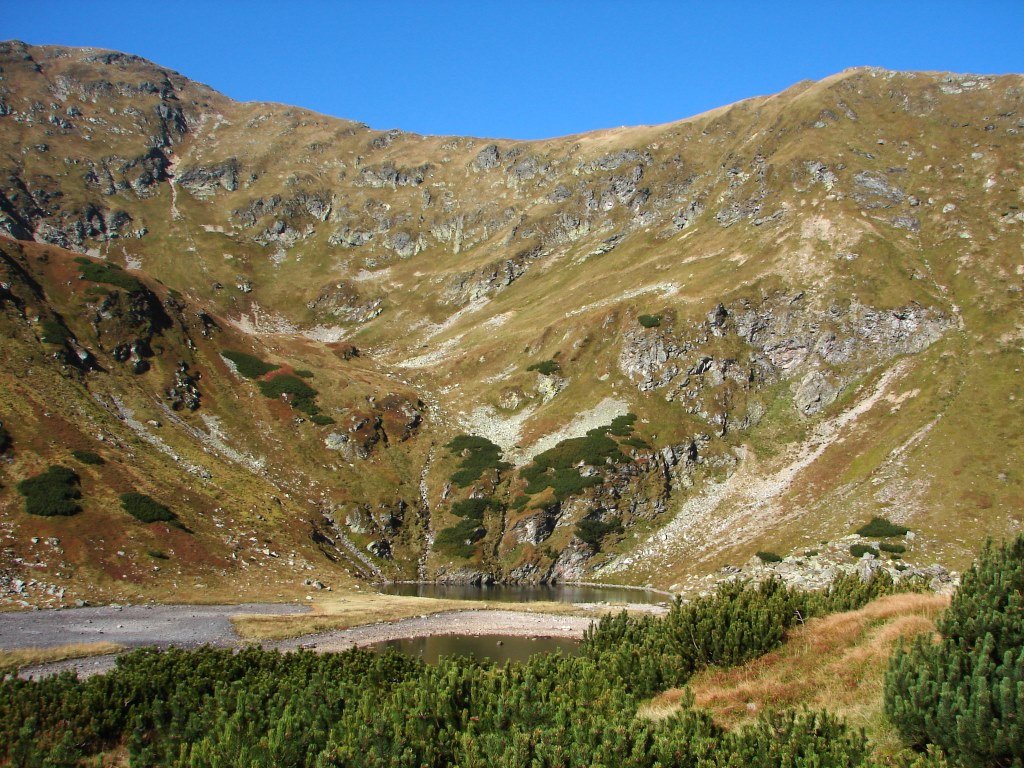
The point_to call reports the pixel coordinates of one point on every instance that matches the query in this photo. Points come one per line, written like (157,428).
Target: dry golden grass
(356,610)
(835,662)
(12,661)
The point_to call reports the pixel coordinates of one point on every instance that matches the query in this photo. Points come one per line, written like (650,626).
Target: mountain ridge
(739,280)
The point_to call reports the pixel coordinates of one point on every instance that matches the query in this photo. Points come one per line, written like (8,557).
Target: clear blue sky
(526,69)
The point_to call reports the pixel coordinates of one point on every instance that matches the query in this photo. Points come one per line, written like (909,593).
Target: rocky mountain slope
(640,355)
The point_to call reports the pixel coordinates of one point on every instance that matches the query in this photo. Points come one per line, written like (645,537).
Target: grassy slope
(953,483)
(835,662)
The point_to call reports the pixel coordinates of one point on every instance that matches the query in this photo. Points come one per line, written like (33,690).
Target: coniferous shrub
(5,440)
(896,549)
(459,539)
(302,373)
(89,457)
(52,493)
(965,693)
(478,455)
(649,321)
(111,274)
(301,396)
(593,531)
(54,332)
(769,557)
(859,550)
(249,366)
(880,528)
(321,419)
(146,509)
(545,367)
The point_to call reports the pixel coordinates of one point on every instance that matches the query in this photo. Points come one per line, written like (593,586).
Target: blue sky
(526,69)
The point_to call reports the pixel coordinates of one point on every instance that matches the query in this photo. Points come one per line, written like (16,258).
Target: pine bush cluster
(362,709)
(965,693)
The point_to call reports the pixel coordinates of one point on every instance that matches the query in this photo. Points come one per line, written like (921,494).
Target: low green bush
(89,457)
(302,373)
(593,531)
(965,693)
(249,366)
(321,420)
(54,332)
(564,482)
(146,509)
(478,455)
(545,367)
(473,509)
(111,274)
(459,539)
(859,550)
(299,393)
(896,549)
(649,321)
(622,426)
(769,557)
(880,528)
(157,554)
(52,493)
(5,440)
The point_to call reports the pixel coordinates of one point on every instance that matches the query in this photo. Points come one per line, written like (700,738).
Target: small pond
(514,593)
(497,648)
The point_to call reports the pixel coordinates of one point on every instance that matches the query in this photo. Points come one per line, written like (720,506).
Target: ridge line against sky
(530,69)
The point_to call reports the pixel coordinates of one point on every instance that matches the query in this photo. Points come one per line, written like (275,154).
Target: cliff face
(814,294)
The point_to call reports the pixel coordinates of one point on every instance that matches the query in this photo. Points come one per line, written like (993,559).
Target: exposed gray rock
(815,392)
(487,158)
(571,564)
(387,175)
(534,528)
(873,190)
(205,181)
(820,174)
(910,223)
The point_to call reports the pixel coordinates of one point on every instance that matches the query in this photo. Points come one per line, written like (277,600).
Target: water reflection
(511,593)
(498,648)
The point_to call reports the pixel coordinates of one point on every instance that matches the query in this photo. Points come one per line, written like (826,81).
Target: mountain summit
(249,350)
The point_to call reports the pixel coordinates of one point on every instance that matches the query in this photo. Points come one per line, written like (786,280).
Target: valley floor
(81,639)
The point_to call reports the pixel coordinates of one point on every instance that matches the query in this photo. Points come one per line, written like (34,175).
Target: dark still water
(511,593)
(497,648)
